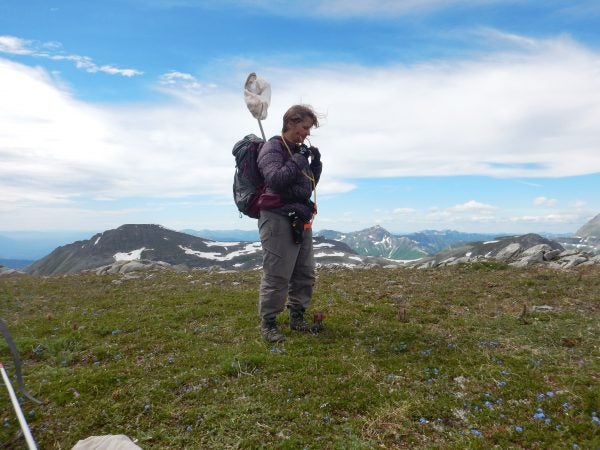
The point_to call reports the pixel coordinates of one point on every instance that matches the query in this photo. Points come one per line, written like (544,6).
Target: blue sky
(473,115)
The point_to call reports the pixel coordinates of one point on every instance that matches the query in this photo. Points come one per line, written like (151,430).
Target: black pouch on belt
(297,227)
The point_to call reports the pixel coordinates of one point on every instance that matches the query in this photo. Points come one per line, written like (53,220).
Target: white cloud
(472,206)
(511,114)
(51,50)
(544,201)
(548,218)
(173,77)
(329,185)
(14,45)
(385,7)
(353,8)
(177,83)
(404,211)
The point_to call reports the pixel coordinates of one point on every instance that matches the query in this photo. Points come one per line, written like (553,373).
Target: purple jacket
(284,176)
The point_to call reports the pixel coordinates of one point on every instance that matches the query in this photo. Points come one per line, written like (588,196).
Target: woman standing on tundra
(291,171)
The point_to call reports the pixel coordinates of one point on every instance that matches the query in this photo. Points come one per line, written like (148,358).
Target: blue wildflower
(596,419)
(476,432)
(501,383)
(547,420)
(550,394)
(539,414)
(567,405)
(519,429)
(489,405)
(541,396)
(423,420)
(575,447)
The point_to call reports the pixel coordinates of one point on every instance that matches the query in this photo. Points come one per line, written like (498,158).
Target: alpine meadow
(479,355)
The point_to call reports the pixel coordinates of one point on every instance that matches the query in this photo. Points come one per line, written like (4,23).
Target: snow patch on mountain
(323,245)
(325,255)
(129,256)
(248,249)
(221,244)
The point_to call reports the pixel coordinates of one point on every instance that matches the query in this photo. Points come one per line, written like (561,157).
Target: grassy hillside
(464,357)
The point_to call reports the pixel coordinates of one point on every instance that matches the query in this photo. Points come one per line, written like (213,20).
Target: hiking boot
(269,331)
(298,323)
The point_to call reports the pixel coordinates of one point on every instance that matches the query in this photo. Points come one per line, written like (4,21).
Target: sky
(470,115)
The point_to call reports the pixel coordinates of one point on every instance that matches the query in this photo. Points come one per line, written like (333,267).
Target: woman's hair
(297,114)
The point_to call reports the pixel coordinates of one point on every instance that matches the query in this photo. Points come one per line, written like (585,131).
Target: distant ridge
(377,241)
(240,249)
(136,243)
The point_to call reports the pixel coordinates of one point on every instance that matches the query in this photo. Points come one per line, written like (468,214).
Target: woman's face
(297,132)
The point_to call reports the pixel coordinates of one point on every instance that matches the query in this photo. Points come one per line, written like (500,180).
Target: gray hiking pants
(288,268)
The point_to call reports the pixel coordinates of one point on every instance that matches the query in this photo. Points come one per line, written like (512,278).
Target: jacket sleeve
(277,168)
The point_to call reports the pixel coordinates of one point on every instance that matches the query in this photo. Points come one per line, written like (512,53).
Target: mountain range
(18,250)
(134,243)
(239,249)
(377,241)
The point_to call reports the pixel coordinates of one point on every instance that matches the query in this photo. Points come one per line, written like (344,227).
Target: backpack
(248,183)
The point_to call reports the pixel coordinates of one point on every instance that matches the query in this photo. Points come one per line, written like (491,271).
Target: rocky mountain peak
(590,229)
(377,241)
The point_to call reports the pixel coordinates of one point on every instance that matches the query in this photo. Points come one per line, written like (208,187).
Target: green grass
(443,358)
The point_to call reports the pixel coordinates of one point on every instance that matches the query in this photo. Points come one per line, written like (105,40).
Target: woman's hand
(304,151)
(316,154)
